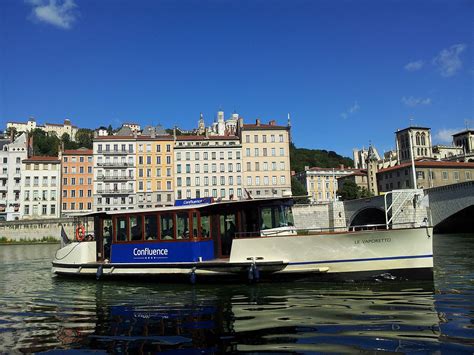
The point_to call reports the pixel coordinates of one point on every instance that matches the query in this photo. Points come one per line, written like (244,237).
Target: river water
(41,313)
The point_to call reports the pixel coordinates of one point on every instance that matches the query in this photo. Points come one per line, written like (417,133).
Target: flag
(64,239)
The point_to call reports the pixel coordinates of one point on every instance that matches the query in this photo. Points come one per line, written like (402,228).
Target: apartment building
(40,187)
(76,181)
(322,183)
(154,171)
(208,166)
(266,159)
(428,174)
(114,161)
(11,157)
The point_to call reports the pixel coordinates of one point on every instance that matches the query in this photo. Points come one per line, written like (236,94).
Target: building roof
(204,138)
(117,137)
(430,164)
(164,137)
(412,127)
(355,173)
(262,126)
(80,151)
(42,159)
(463,132)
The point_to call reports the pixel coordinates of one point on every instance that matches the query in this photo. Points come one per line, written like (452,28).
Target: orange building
(76,181)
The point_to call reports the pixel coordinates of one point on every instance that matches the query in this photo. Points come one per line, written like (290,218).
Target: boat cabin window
(182,226)
(121,229)
(151,227)
(135,224)
(166,223)
(205,226)
(160,226)
(276,216)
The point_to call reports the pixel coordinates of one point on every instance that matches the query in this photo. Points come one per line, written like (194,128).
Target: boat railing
(307,231)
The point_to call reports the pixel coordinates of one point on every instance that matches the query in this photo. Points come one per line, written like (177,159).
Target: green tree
(110,130)
(350,191)
(44,144)
(84,137)
(9,131)
(301,157)
(297,189)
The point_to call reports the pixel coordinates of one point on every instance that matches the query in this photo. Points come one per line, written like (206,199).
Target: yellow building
(266,159)
(154,171)
(321,183)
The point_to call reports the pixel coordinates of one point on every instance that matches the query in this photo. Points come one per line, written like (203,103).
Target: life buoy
(80,233)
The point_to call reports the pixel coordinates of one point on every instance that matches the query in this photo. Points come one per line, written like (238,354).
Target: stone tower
(372,167)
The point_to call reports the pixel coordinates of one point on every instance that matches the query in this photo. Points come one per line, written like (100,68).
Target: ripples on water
(43,313)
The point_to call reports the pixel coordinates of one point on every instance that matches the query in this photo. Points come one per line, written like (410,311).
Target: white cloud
(351,110)
(59,13)
(448,60)
(444,135)
(416,101)
(414,66)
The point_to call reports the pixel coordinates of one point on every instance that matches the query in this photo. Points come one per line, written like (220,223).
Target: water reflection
(307,317)
(41,313)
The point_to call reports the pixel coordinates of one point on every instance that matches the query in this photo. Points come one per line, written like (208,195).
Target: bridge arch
(458,222)
(368,215)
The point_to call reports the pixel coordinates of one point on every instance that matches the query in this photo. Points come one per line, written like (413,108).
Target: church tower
(372,168)
(201,125)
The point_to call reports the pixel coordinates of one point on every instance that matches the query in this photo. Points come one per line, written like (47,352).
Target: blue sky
(349,72)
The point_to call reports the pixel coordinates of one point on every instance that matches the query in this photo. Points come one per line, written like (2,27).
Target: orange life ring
(80,233)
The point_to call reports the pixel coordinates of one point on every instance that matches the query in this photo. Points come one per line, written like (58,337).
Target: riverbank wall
(32,230)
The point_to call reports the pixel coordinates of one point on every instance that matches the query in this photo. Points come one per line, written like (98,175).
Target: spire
(289,120)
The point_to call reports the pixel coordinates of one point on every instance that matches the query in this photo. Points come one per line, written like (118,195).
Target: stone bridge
(435,205)
(438,204)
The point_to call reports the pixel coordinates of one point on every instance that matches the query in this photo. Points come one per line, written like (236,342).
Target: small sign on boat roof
(194,201)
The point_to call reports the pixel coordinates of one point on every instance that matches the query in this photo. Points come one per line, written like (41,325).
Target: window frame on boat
(192,232)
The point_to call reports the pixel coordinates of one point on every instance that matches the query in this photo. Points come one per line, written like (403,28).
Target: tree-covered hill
(301,157)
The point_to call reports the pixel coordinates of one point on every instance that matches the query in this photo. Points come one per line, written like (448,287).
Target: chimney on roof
(272,122)
(257,121)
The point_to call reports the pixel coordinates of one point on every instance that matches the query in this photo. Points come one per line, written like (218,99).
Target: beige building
(322,183)
(428,174)
(154,171)
(419,138)
(40,187)
(55,128)
(266,159)
(446,152)
(208,166)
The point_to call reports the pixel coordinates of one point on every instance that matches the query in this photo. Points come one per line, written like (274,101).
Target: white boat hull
(391,254)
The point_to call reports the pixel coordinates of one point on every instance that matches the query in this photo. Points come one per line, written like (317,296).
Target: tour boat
(248,240)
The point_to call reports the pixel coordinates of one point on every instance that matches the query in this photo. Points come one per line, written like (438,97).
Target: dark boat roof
(183,208)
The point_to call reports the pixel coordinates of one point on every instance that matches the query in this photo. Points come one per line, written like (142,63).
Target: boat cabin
(186,233)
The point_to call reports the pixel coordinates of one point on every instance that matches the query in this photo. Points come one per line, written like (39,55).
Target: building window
(456,175)
(445,175)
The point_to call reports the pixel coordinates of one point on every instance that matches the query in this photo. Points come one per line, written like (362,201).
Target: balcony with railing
(115,152)
(115,177)
(115,191)
(117,164)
